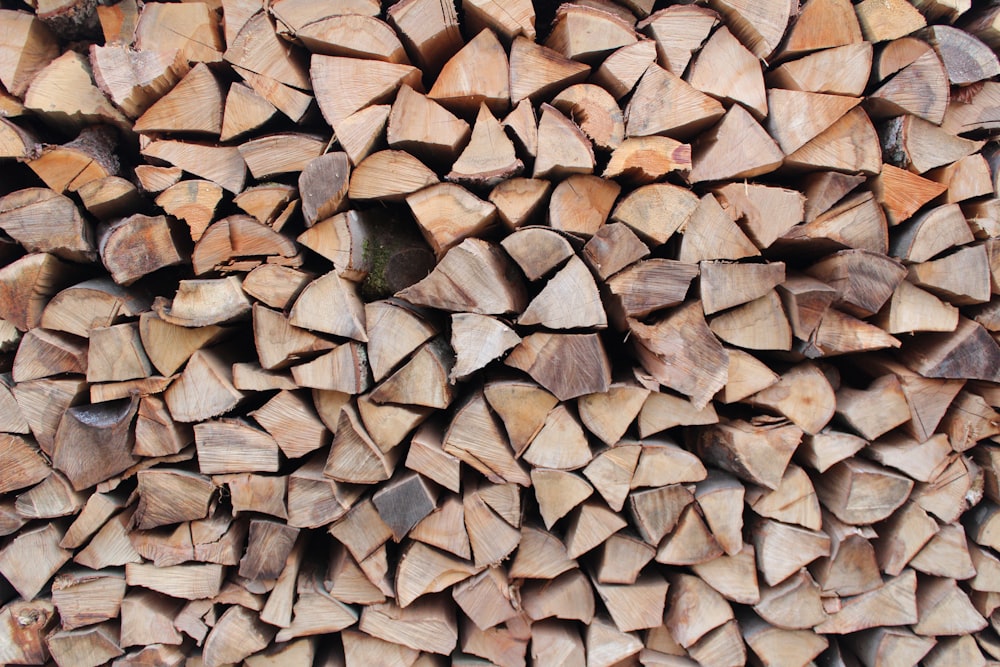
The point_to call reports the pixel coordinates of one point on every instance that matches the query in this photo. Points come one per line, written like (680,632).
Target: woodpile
(601,333)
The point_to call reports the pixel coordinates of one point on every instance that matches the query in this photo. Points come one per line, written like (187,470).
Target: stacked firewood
(600,333)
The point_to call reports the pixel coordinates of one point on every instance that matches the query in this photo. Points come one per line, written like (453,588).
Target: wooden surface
(499,332)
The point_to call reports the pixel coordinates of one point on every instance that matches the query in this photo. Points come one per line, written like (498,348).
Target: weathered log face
(609,332)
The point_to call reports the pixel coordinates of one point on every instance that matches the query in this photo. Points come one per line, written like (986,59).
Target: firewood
(84,597)
(171,496)
(87,105)
(714,156)
(717,494)
(690,543)
(968,420)
(581,204)
(448,213)
(944,609)
(537,71)
(723,646)
(427,625)
(256,493)
(663,103)
(777,646)
(537,250)
(794,604)
(895,97)
(537,355)
(193,201)
(243,111)
(219,441)
(951,493)
(519,200)
(946,555)
(711,234)
(45,353)
(687,592)
(682,333)
(194,104)
(555,640)
(850,144)
(782,549)
(654,212)
(43,402)
(88,647)
(30,559)
(965,178)
(920,146)
(221,165)
(609,414)
(354,457)
(596,112)
(53,497)
(21,63)
(576,29)
(642,160)
(935,276)
(744,83)
(621,559)
(931,233)
(923,461)
(569,300)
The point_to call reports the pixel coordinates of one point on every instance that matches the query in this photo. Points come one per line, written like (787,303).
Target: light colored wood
(663,103)
(87,647)
(757,24)
(678,32)
(536,71)
(777,646)
(850,144)
(44,221)
(476,438)
(596,112)
(342,89)
(740,80)
(519,201)
(716,156)
(489,156)
(587,34)
(723,646)
(21,64)
(87,104)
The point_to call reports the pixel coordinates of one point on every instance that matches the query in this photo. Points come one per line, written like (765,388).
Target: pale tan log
(793,501)
(766,212)
(821,25)
(794,604)
(777,646)
(43,220)
(663,103)
(195,104)
(541,555)
(612,248)
(193,201)
(44,353)
(642,160)
(655,512)
(421,126)
(710,233)
(850,144)
(507,21)
(276,286)
(244,111)
(609,414)
(896,96)
(902,537)
(43,402)
(854,406)
(429,30)
(536,72)
(851,568)
(563,148)
(686,594)
(970,286)
(724,285)
(86,647)
(621,70)
(560,444)
(946,555)
(595,111)
(858,222)
(923,461)
(448,213)
(537,250)
(104,432)
(654,212)
(520,200)
(965,179)
(523,124)
(760,324)
(256,493)
(556,641)
(84,597)
(445,529)
(678,32)
(581,203)
(352,35)
(486,598)
(892,604)
(969,420)
(30,560)
(586,34)
(558,492)
(157,179)
(488,157)
(717,157)
(723,646)
(110,197)
(690,543)
(20,63)
(343,87)
(110,546)
(312,308)
(741,80)
(759,25)
(477,74)
(86,105)
(952,492)
(568,597)
(944,609)
(232,445)
(222,165)
(569,300)
(664,462)
(475,437)
(236,635)
(783,549)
